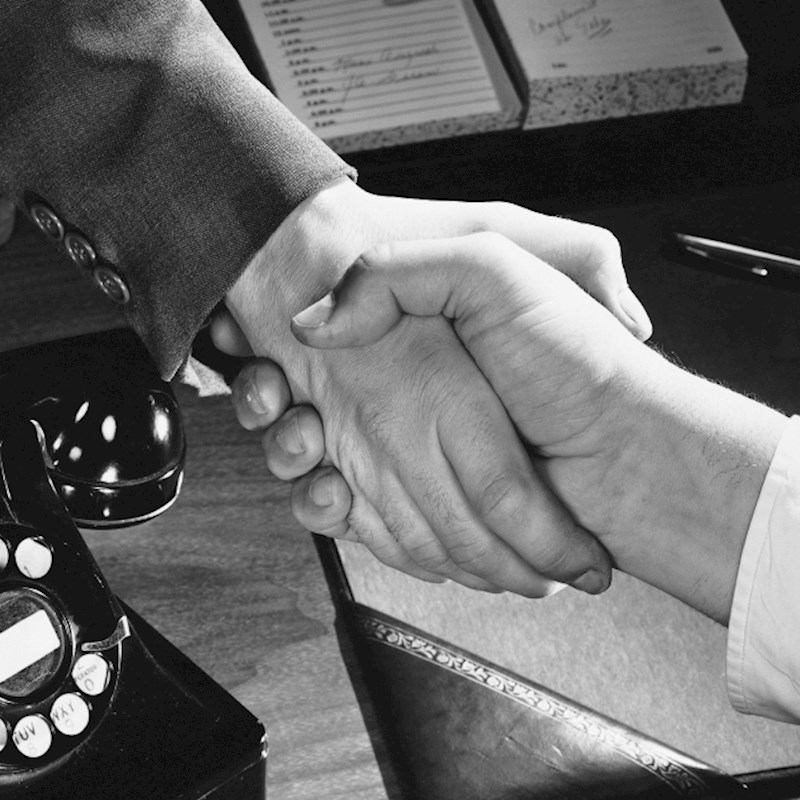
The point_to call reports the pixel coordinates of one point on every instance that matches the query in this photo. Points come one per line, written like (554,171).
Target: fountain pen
(742,259)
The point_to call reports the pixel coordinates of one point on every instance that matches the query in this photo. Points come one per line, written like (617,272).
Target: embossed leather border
(649,755)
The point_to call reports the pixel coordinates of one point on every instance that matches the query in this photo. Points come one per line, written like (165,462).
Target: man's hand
(441,485)
(662,466)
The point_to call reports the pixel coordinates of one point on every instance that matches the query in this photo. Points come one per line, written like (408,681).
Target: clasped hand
(441,485)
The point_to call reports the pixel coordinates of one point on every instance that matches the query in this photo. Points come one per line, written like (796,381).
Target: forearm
(687,481)
(140,126)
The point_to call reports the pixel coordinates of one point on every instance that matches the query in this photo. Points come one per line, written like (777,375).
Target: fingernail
(320,490)
(592,582)
(254,399)
(290,438)
(635,312)
(316,315)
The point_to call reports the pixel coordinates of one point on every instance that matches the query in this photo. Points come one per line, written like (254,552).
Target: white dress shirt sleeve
(763,660)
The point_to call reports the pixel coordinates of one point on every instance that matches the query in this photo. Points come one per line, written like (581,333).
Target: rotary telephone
(93,701)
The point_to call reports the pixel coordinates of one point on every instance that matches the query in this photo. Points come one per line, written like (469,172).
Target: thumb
(421,278)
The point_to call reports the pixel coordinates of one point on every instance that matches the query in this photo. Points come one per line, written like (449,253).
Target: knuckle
(603,248)
(505,496)
(399,521)
(340,530)
(429,555)
(493,213)
(605,241)
(559,562)
(477,556)
(359,526)
(488,242)
(375,254)
(379,424)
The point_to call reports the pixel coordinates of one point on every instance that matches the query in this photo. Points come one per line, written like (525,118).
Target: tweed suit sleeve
(138,125)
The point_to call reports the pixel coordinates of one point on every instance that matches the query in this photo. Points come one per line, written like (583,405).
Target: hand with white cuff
(661,465)
(442,487)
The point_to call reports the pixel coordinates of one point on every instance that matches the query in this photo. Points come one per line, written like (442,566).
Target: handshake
(550,445)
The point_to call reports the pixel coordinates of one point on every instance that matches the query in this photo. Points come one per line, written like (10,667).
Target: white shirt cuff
(763,660)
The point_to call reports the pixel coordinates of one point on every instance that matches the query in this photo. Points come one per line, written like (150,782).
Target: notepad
(580,60)
(370,73)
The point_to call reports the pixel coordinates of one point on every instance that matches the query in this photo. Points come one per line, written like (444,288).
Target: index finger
(589,254)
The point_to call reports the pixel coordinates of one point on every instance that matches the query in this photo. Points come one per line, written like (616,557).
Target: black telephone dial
(93,702)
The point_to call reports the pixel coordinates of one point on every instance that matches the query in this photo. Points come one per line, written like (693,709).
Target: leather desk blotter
(496,697)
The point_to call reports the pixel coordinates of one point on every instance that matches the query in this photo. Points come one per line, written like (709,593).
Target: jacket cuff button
(80,250)
(47,221)
(111,284)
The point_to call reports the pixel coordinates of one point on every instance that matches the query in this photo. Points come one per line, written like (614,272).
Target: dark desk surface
(230,578)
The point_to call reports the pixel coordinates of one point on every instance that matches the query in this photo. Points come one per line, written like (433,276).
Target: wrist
(692,459)
(299,263)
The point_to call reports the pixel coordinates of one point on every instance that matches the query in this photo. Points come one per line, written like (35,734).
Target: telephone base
(173,734)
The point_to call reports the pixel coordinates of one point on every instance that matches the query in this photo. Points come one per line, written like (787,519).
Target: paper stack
(581,60)
(371,73)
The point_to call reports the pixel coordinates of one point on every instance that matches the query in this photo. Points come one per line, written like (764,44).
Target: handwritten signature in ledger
(582,19)
(391,66)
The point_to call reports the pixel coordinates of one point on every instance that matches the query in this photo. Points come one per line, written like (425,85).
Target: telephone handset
(114,440)
(91,697)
